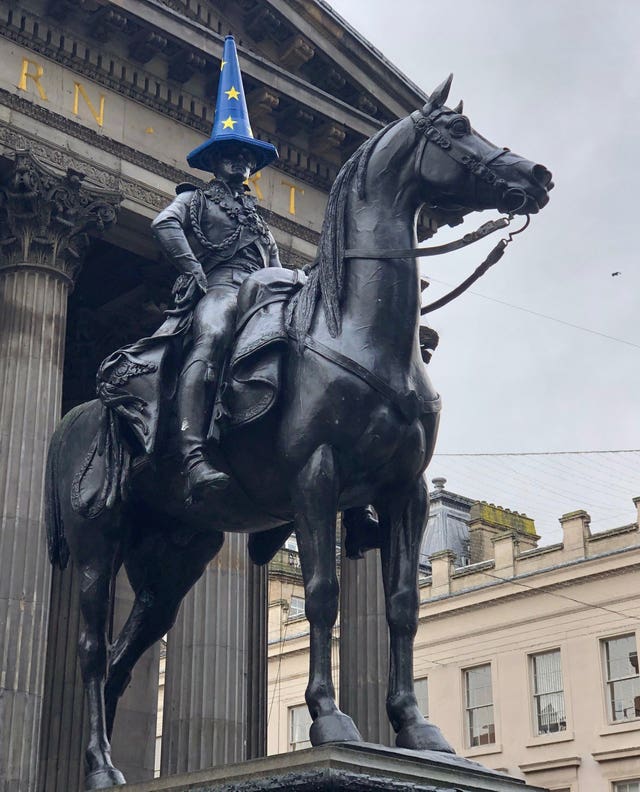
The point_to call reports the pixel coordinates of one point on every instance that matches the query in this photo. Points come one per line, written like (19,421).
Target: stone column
(257,630)
(205,704)
(133,745)
(364,647)
(44,217)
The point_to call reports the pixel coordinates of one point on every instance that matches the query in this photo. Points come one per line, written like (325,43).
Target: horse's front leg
(315,498)
(402,522)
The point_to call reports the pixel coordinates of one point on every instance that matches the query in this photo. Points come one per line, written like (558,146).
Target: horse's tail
(58,547)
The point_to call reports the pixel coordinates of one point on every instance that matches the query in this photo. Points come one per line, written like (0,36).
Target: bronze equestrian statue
(351,420)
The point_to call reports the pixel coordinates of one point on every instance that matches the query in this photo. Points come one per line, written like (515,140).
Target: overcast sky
(557,81)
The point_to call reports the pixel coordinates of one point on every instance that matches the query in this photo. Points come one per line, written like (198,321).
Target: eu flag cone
(231,122)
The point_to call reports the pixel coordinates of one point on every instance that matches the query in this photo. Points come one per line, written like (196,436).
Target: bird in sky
(613,274)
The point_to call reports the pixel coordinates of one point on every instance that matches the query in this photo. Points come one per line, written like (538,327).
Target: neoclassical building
(526,656)
(99,102)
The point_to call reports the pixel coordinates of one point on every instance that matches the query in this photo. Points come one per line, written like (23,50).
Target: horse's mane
(326,274)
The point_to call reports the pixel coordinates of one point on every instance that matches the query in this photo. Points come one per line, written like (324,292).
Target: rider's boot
(196,394)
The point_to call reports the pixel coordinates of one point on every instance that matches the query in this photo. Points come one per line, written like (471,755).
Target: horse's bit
(482,170)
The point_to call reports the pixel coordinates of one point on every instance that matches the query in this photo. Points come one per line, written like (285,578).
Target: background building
(525,657)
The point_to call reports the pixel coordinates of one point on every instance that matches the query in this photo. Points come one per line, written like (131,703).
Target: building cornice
(513,589)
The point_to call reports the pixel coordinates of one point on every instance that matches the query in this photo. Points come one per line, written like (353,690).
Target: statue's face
(234,165)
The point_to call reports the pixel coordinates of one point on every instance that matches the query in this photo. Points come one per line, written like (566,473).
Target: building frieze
(134,190)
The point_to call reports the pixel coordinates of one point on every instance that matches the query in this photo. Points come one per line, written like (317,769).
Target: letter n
(79,91)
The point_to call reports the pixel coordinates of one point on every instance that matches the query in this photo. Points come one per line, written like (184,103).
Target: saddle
(251,381)
(137,383)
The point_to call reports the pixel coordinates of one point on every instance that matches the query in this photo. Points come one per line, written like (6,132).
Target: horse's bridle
(481,169)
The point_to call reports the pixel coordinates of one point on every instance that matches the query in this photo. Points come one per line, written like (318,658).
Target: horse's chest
(386,440)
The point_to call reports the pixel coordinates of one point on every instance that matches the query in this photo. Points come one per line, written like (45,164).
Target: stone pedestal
(43,219)
(346,767)
(205,704)
(364,647)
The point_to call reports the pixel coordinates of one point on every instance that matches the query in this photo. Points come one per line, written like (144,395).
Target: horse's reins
(481,169)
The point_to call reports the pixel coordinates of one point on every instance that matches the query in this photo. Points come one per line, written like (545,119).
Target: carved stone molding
(45,216)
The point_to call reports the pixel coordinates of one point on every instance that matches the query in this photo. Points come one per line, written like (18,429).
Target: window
(299,725)
(422,695)
(479,706)
(292,543)
(548,692)
(296,607)
(627,786)
(622,679)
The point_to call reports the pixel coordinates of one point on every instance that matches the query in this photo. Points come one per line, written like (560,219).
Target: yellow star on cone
(233,93)
(228,123)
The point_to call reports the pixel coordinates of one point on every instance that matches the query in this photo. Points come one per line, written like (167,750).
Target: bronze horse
(356,424)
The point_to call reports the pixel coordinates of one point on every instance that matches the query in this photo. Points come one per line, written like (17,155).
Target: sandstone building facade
(526,656)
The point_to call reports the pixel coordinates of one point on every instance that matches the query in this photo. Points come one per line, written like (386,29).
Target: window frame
(609,682)
(291,744)
(535,696)
(616,785)
(424,679)
(468,740)
(299,614)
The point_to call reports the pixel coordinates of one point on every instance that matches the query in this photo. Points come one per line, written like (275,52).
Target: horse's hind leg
(315,497)
(95,583)
(161,572)
(402,523)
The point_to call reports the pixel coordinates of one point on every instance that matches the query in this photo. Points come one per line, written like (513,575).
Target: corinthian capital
(46,216)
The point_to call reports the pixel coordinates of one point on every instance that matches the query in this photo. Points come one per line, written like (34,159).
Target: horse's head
(462,171)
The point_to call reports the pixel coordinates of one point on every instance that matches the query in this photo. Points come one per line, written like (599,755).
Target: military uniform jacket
(217,229)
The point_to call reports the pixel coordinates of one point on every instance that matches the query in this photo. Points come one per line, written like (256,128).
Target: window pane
(623,681)
(479,686)
(625,699)
(299,725)
(479,706)
(622,657)
(422,696)
(296,607)
(548,692)
(627,786)
(481,726)
(550,710)
(547,672)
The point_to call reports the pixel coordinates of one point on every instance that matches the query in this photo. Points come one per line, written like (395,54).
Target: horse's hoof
(423,736)
(336,727)
(104,779)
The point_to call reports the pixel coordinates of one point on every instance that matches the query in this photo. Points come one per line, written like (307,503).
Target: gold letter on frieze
(34,75)
(253,181)
(292,195)
(79,91)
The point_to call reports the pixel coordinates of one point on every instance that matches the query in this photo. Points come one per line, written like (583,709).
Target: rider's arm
(168,228)
(272,254)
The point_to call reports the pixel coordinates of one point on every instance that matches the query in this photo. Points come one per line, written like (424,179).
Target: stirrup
(201,478)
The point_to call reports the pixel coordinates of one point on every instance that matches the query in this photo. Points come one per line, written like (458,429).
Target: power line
(542,316)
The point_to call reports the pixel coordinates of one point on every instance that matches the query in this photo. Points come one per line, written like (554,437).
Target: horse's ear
(439,96)
(458,108)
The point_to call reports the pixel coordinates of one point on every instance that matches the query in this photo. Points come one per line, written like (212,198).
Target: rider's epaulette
(185,187)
